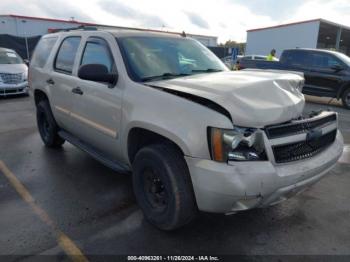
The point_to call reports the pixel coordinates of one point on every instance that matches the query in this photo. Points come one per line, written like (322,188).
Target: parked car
(327,73)
(195,136)
(256,57)
(13,73)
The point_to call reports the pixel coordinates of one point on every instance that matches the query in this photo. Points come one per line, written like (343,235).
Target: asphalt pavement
(63,199)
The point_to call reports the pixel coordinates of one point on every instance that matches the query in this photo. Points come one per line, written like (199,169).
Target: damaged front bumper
(237,186)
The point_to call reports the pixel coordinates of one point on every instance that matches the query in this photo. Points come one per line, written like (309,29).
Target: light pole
(26,40)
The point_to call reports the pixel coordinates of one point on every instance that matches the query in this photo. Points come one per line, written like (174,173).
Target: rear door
(323,79)
(61,81)
(97,108)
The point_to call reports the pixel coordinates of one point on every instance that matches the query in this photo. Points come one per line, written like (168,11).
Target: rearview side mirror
(97,73)
(337,68)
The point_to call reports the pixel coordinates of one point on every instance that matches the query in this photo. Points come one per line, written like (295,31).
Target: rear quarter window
(43,51)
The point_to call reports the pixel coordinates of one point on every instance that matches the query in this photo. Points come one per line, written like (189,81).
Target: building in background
(317,33)
(26,26)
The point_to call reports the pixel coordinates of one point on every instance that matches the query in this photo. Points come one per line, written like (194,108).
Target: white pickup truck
(194,135)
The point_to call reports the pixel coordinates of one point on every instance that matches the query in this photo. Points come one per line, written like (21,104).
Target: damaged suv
(194,135)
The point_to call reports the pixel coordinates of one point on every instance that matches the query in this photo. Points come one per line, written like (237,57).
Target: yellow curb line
(62,239)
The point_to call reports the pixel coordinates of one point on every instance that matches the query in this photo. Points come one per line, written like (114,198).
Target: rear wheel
(47,126)
(346,98)
(163,186)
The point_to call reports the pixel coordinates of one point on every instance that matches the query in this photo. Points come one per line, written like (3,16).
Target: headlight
(239,144)
(25,76)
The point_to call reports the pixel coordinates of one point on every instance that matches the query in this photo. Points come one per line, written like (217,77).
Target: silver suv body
(194,135)
(13,73)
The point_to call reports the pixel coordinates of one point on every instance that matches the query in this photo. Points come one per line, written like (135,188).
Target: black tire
(346,98)
(47,125)
(176,202)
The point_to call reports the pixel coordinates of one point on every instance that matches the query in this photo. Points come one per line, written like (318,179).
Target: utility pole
(25,37)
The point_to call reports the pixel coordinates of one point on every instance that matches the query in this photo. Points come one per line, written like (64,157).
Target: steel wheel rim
(155,191)
(44,126)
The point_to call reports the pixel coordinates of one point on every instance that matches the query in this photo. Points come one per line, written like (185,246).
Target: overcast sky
(227,19)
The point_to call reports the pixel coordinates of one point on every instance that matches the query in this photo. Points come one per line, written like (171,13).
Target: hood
(253,98)
(13,68)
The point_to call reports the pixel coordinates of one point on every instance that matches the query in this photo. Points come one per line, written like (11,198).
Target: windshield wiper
(209,70)
(163,76)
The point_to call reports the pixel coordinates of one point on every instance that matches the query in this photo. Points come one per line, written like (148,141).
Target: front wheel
(163,186)
(346,98)
(47,126)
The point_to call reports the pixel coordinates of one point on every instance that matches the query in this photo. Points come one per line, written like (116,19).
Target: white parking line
(345,158)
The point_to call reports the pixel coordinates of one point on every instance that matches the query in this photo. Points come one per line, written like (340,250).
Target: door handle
(50,81)
(77,91)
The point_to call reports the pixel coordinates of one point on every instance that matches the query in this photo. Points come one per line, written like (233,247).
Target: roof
(133,32)
(300,22)
(74,22)
(2,49)
(313,50)
(117,32)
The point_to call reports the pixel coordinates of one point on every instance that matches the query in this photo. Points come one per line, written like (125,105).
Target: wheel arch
(39,96)
(344,87)
(139,137)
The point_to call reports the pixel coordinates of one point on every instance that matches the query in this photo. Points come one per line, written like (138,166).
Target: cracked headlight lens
(238,144)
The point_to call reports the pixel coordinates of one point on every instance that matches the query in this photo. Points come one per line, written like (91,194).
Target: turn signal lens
(217,146)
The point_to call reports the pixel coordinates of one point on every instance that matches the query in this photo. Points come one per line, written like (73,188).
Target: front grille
(302,150)
(11,78)
(298,127)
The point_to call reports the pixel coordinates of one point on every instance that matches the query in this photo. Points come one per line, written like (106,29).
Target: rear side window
(247,58)
(97,52)
(42,51)
(66,54)
(295,58)
(260,58)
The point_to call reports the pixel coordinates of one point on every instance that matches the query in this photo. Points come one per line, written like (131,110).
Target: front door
(97,106)
(323,78)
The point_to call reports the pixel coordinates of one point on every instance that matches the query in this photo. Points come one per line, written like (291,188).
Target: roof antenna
(183,34)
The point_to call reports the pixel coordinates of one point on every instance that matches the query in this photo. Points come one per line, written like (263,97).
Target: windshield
(344,58)
(8,57)
(149,58)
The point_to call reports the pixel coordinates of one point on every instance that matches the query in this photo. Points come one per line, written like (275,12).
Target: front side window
(97,52)
(42,51)
(10,57)
(325,61)
(66,54)
(150,57)
(344,58)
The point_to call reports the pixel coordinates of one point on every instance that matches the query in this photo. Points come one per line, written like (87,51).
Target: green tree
(234,44)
